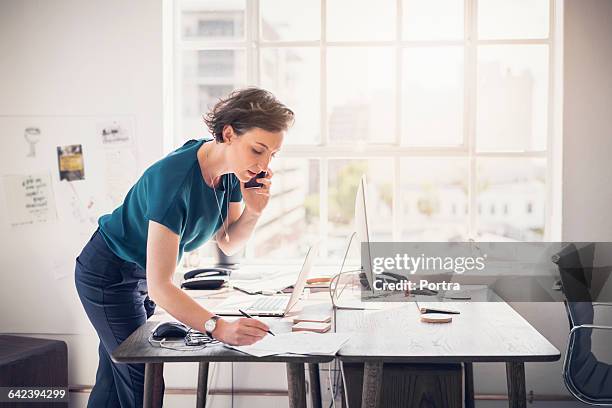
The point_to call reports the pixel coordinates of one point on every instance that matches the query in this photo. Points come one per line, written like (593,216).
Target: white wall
(587,121)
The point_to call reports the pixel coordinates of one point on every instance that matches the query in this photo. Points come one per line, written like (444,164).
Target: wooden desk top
(483,332)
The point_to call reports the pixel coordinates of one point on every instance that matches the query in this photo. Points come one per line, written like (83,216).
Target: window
(444,105)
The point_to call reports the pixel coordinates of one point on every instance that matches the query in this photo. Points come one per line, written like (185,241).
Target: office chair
(586,378)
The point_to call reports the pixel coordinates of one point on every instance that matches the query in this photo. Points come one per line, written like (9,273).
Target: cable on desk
(333,286)
(194,340)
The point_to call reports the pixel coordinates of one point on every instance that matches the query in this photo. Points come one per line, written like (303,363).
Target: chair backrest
(587,379)
(575,266)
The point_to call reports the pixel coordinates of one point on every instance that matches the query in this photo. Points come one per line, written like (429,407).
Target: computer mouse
(170,330)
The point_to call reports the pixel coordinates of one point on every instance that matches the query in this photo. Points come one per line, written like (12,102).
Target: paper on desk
(296,343)
(273,284)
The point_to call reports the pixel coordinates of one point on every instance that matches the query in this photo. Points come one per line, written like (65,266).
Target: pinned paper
(29,199)
(121,171)
(32,136)
(115,133)
(70,162)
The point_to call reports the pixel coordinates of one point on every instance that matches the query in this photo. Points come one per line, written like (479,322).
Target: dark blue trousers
(114,295)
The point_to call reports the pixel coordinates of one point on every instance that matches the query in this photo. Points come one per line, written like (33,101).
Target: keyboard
(269,303)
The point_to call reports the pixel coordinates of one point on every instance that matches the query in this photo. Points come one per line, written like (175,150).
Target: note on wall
(121,172)
(116,133)
(29,199)
(75,207)
(32,135)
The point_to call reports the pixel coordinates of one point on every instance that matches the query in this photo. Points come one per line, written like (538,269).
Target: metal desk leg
(202,390)
(153,381)
(372,384)
(515,376)
(315,385)
(296,382)
(468,379)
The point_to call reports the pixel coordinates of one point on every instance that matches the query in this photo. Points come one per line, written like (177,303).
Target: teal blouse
(173,193)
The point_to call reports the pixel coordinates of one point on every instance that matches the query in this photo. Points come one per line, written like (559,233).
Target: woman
(179,203)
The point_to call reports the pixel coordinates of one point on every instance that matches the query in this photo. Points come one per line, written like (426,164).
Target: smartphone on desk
(252,183)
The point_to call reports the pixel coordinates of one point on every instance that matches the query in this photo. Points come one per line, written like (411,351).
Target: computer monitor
(362,230)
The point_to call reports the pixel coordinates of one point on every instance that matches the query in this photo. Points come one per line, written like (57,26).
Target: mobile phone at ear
(252,183)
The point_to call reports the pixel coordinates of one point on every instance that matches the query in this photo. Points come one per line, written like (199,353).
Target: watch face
(210,325)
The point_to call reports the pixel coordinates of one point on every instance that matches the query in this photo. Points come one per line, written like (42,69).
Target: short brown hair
(248,108)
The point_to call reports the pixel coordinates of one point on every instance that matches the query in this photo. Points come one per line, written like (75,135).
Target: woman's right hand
(240,332)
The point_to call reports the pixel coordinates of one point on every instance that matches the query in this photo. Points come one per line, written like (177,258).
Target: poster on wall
(29,199)
(70,162)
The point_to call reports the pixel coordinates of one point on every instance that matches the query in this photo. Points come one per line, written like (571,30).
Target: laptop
(275,305)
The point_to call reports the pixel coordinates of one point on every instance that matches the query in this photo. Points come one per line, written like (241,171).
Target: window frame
(174,45)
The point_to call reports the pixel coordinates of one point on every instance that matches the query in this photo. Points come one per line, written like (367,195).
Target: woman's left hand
(256,199)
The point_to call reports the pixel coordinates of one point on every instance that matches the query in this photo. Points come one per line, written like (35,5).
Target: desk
(483,332)
(136,349)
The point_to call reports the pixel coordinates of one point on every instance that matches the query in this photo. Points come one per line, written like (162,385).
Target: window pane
(512,97)
(432,19)
(213,20)
(207,76)
(433,201)
(511,199)
(513,19)
(293,75)
(354,20)
(281,22)
(432,97)
(344,177)
(290,222)
(361,94)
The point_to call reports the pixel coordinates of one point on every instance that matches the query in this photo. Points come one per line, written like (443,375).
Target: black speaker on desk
(32,362)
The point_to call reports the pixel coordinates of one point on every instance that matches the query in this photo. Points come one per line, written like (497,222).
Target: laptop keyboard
(269,303)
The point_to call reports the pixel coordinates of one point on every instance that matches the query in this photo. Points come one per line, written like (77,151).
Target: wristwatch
(211,324)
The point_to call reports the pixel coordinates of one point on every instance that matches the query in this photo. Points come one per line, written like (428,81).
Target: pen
(245,314)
